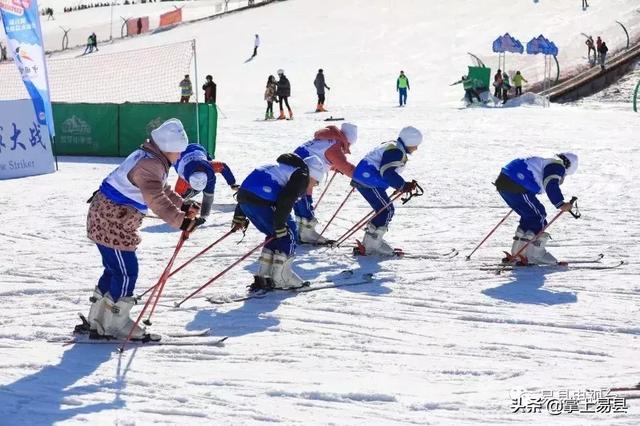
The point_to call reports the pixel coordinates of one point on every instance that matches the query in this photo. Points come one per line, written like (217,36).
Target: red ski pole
(189,261)
(339,208)
(157,288)
(325,190)
(468,257)
(524,247)
(265,242)
(368,218)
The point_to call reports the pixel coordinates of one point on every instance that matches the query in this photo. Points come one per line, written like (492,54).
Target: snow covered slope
(429,341)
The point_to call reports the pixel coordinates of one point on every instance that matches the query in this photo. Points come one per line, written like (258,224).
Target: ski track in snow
(428,342)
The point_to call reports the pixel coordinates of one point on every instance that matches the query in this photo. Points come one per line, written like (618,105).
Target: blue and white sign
(25,147)
(21,21)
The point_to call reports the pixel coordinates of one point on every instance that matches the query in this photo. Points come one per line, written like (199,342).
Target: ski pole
(468,257)
(183,238)
(368,218)
(524,247)
(189,261)
(325,190)
(339,208)
(265,242)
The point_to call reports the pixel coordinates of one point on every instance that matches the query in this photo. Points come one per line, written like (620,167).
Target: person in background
(210,89)
(270,97)
(469,86)
(320,86)
(585,4)
(506,86)
(602,53)
(402,86)
(94,41)
(186,90)
(598,45)
(256,44)
(591,46)
(283,92)
(497,84)
(89,47)
(517,82)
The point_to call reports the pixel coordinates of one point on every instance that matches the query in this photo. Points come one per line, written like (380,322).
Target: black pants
(286,101)
(518,90)
(270,107)
(255,51)
(321,98)
(470,94)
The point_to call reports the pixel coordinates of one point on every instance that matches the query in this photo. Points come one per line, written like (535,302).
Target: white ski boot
(282,273)
(374,243)
(117,323)
(262,280)
(519,241)
(307,233)
(97,310)
(537,253)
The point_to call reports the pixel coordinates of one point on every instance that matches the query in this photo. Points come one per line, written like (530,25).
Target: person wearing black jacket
(320,86)
(283,92)
(209,88)
(266,198)
(602,53)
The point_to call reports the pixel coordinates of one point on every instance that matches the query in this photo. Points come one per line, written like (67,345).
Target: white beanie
(198,180)
(410,136)
(350,131)
(280,71)
(573,162)
(170,136)
(316,167)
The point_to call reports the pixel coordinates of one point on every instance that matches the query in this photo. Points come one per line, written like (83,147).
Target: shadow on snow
(527,287)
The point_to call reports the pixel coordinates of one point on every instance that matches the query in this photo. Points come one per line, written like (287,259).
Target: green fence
(118,129)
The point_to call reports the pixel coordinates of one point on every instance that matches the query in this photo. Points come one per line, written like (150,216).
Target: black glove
(282,232)
(190,225)
(408,186)
(190,204)
(235,186)
(190,193)
(239,223)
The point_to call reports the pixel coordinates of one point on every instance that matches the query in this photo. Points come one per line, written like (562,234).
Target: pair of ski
(188,338)
(573,264)
(345,278)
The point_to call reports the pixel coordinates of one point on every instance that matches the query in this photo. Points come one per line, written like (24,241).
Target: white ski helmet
(350,131)
(410,136)
(316,167)
(280,71)
(170,136)
(198,181)
(570,161)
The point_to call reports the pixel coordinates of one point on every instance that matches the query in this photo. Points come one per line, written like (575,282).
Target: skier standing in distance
(377,171)
(256,44)
(186,89)
(518,184)
(266,198)
(283,92)
(320,85)
(197,172)
(115,215)
(270,96)
(210,90)
(330,145)
(402,86)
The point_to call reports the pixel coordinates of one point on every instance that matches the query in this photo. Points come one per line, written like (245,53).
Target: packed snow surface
(429,341)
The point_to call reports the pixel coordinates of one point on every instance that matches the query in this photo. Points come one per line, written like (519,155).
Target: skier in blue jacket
(266,198)
(377,171)
(197,172)
(518,184)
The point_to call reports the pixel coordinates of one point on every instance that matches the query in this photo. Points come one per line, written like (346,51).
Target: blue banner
(21,21)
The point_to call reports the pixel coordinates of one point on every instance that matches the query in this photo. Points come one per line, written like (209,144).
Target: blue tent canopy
(542,45)
(507,43)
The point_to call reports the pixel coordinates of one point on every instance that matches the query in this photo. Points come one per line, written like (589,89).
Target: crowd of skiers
(277,199)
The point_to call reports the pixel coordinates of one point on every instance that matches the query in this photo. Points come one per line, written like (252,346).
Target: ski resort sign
(25,148)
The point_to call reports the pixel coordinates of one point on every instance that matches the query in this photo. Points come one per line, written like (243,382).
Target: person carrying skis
(266,198)
(197,172)
(469,86)
(115,215)
(402,86)
(331,145)
(270,97)
(283,92)
(377,171)
(320,86)
(518,184)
